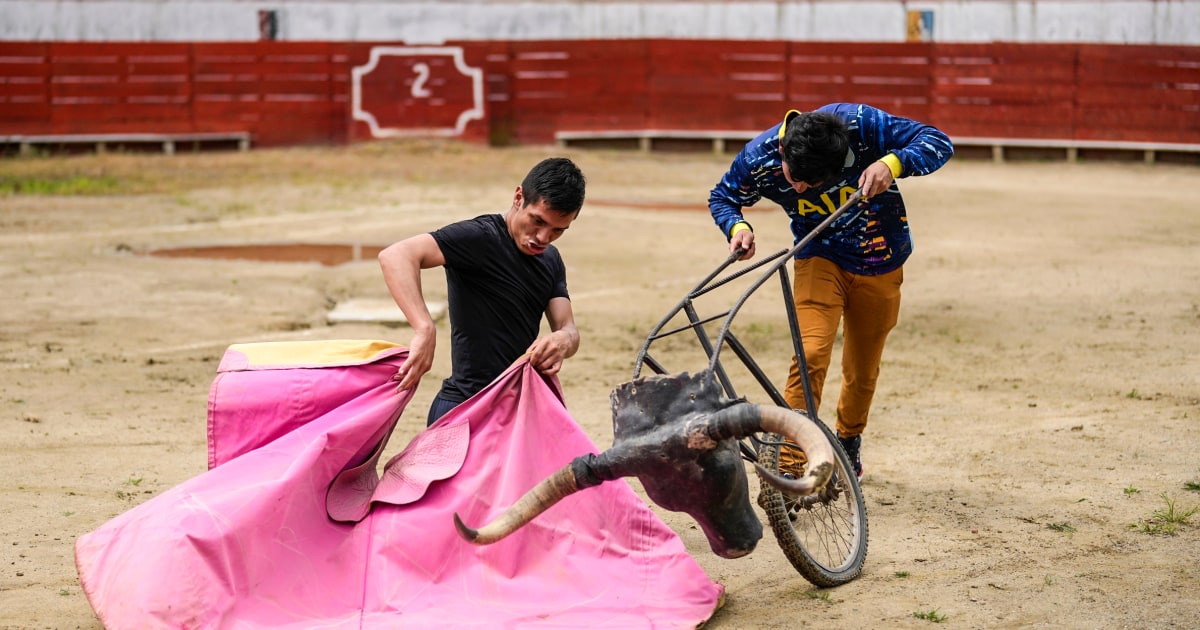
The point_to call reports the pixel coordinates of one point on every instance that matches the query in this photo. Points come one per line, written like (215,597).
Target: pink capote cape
(295,430)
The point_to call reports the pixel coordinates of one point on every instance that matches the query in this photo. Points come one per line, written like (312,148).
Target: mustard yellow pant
(867,308)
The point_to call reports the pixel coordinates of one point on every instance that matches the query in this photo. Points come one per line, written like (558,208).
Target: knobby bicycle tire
(825,534)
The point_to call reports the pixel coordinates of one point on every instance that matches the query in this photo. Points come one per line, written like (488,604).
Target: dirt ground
(1037,421)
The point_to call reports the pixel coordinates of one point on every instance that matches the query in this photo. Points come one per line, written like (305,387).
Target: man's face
(535,226)
(797,185)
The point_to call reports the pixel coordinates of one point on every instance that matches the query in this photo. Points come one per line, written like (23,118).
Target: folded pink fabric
(253,542)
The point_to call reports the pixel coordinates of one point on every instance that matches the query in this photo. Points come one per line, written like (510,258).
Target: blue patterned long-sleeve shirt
(870,239)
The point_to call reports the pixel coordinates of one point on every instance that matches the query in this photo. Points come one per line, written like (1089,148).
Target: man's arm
(919,148)
(402,263)
(734,191)
(906,147)
(549,351)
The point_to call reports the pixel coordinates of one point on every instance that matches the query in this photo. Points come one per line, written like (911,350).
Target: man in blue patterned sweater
(850,274)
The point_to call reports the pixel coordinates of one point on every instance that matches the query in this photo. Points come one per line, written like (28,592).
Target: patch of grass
(818,595)
(902,574)
(1064,527)
(759,335)
(1130,490)
(930,615)
(1173,515)
(58,185)
(131,482)
(1165,521)
(237,208)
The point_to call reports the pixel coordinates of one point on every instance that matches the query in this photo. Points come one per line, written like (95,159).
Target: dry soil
(1036,427)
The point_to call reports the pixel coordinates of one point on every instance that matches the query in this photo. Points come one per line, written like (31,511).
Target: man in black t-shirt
(502,274)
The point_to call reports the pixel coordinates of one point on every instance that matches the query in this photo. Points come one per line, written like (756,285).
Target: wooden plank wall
(425,92)
(24,88)
(1138,94)
(894,77)
(582,84)
(1025,91)
(282,92)
(693,85)
(300,92)
(94,88)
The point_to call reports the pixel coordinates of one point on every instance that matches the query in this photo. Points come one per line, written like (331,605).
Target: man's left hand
(548,353)
(875,179)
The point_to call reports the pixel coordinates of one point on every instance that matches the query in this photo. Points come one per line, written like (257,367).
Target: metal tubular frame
(776,264)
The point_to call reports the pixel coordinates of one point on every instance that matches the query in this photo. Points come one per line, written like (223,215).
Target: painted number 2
(418,87)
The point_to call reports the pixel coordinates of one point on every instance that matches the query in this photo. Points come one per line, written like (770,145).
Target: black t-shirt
(497,297)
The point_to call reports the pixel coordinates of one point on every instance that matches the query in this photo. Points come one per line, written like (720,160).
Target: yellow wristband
(740,226)
(893,163)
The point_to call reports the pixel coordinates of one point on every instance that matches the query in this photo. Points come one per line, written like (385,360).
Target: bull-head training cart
(686,438)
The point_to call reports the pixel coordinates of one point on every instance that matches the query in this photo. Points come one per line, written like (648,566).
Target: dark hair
(559,182)
(814,147)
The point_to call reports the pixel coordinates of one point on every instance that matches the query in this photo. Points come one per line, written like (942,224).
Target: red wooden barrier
(283,92)
(575,84)
(404,91)
(525,92)
(893,77)
(1005,90)
(1138,93)
(702,84)
(99,88)
(24,88)
(496,60)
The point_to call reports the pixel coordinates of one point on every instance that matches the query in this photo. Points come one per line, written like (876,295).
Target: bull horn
(810,438)
(741,420)
(551,490)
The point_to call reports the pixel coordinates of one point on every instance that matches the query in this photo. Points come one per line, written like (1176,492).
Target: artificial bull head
(679,437)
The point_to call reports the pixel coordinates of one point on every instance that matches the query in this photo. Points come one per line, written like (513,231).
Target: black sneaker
(852,446)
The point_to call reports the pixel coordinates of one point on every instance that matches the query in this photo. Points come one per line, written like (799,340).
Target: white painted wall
(430,21)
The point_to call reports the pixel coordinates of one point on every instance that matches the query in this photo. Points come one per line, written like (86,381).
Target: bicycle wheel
(823,535)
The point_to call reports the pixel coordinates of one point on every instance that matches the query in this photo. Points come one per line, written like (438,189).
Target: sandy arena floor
(1038,413)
